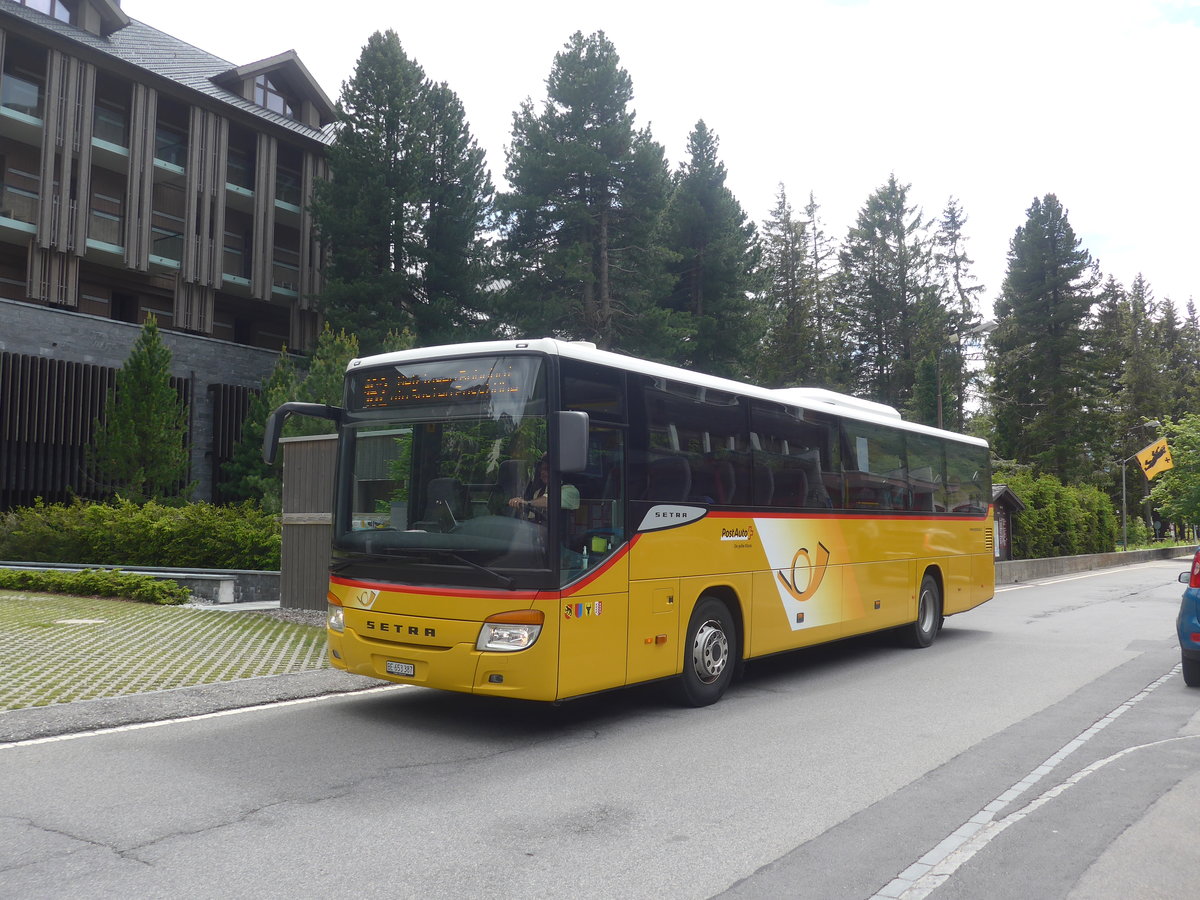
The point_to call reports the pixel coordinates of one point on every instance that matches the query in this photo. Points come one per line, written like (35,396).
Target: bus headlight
(509,631)
(337,619)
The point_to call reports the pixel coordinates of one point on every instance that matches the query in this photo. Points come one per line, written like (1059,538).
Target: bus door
(595,568)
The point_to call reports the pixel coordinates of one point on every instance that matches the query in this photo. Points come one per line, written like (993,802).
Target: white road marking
(138,726)
(935,867)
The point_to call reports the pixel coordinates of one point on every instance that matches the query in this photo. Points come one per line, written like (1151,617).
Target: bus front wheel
(710,655)
(929,616)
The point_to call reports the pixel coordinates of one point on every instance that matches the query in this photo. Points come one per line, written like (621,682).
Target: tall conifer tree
(896,310)
(579,223)
(406,206)
(139,448)
(715,252)
(1039,351)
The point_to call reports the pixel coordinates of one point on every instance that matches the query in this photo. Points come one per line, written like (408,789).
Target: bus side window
(927,473)
(793,453)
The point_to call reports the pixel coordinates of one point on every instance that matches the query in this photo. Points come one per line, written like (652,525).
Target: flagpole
(1151,423)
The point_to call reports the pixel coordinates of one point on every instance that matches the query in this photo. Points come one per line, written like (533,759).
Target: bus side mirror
(572,441)
(276,420)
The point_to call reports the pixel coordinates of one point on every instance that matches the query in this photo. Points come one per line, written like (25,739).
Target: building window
(170,145)
(109,123)
(287,186)
(56,8)
(268,94)
(24,80)
(19,194)
(106,221)
(240,168)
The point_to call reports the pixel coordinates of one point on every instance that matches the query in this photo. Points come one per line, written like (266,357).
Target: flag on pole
(1155,459)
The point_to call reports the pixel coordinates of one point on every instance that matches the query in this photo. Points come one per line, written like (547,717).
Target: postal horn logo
(366,598)
(815,572)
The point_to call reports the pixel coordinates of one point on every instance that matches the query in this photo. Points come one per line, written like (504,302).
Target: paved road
(1043,747)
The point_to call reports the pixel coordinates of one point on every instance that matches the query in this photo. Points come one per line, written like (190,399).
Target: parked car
(1188,624)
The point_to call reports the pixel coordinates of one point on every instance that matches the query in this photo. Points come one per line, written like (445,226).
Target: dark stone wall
(62,334)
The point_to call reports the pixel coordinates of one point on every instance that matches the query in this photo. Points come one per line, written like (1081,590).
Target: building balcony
(19,205)
(106,227)
(22,96)
(285,279)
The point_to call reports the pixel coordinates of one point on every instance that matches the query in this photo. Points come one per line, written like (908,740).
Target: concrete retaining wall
(247,586)
(1019,570)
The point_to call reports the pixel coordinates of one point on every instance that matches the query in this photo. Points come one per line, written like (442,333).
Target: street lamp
(1152,423)
(985,327)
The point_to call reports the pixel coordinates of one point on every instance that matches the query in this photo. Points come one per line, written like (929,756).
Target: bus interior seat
(668,478)
(445,503)
(791,487)
(764,485)
(512,478)
(725,480)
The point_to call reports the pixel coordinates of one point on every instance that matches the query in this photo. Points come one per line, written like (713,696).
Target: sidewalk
(62,650)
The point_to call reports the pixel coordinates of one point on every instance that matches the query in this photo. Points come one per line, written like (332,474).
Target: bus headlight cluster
(337,619)
(509,631)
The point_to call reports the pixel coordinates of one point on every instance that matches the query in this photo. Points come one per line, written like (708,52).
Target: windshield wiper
(361,557)
(397,552)
(455,555)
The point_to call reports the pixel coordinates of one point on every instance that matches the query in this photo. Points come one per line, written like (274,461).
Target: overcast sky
(995,104)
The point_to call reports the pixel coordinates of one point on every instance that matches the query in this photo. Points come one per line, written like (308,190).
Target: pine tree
(139,447)
(960,292)
(805,337)
(787,302)
(406,206)
(587,192)
(325,380)
(1145,386)
(1109,341)
(1039,352)
(896,310)
(245,476)
(715,252)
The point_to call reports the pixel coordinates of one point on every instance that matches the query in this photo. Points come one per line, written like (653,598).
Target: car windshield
(433,456)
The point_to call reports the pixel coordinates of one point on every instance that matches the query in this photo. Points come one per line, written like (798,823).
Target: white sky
(995,104)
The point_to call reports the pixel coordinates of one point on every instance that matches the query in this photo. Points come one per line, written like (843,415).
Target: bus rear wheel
(929,616)
(710,655)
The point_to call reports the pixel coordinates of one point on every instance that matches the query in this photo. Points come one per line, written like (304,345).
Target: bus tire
(929,616)
(710,655)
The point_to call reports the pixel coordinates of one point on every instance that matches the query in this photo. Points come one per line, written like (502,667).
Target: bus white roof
(816,399)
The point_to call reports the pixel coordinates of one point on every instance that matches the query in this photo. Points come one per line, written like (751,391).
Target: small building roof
(1003,495)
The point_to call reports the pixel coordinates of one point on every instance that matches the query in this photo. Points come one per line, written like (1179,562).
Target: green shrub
(123,533)
(97,583)
(1058,519)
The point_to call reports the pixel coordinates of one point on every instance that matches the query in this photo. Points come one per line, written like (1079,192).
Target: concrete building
(143,175)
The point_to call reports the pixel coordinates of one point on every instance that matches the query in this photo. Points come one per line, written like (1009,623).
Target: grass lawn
(59,648)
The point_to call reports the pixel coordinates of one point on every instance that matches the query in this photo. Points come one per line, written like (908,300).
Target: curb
(132,709)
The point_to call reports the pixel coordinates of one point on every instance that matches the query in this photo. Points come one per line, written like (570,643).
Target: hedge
(123,533)
(1058,519)
(97,583)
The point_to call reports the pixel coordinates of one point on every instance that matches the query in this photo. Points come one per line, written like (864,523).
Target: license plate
(399,668)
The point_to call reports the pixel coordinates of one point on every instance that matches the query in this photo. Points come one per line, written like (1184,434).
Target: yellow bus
(544,520)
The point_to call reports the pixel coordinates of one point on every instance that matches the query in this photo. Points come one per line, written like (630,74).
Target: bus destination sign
(395,388)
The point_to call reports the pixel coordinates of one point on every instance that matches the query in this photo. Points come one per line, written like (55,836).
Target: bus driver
(533,503)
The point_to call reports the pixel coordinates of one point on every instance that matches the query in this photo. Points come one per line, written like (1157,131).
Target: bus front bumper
(529,674)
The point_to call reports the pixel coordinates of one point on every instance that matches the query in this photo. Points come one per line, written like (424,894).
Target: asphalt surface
(1129,867)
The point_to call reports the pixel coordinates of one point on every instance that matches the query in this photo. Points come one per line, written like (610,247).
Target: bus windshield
(434,454)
